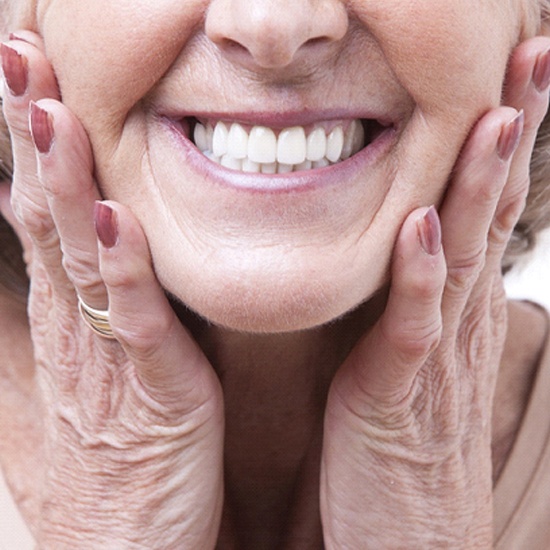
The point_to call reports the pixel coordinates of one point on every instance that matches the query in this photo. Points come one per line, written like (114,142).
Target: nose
(272,34)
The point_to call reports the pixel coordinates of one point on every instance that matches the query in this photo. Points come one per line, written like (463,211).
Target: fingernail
(429,232)
(541,72)
(41,128)
(510,135)
(106,225)
(15,68)
(15,36)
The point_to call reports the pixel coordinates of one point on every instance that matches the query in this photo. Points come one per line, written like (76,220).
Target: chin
(269,302)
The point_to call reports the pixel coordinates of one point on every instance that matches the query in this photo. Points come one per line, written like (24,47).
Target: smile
(264,150)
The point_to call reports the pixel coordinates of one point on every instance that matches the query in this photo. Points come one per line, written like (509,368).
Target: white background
(531,279)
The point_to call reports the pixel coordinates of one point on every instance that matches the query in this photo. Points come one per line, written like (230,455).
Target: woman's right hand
(131,429)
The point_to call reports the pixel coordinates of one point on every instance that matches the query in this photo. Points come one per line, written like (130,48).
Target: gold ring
(96,319)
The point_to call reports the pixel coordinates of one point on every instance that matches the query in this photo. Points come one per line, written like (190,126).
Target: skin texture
(405,384)
(273,248)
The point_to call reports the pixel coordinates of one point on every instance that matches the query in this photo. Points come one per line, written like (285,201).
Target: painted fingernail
(510,135)
(15,36)
(541,72)
(106,225)
(429,232)
(16,70)
(41,128)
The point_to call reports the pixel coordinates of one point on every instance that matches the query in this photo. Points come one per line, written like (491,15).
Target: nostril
(319,40)
(232,46)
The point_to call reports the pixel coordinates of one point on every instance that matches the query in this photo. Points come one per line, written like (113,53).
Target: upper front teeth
(261,150)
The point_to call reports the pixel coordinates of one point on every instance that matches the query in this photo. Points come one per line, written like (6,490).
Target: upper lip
(274,119)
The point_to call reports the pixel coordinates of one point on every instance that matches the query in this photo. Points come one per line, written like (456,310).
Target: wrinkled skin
(140,420)
(144,59)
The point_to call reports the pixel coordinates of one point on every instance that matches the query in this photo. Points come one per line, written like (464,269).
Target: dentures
(261,149)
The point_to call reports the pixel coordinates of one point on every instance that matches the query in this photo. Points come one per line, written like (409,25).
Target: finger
(29,37)
(27,77)
(169,363)
(470,204)
(526,88)
(65,167)
(528,77)
(385,364)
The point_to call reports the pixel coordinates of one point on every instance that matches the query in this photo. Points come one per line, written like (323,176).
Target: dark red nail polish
(541,72)
(429,232)
(510,135)
(41,128)
(16,70)
(106,225)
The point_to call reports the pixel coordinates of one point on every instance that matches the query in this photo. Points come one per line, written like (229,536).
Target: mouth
(261,149)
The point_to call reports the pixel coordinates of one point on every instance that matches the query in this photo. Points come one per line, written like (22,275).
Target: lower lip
(307,180)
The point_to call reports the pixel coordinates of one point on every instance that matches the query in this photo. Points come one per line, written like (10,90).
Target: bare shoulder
(528,326)
(526,340)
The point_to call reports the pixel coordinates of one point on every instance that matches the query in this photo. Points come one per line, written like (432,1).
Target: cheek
(107,54)
(448,54)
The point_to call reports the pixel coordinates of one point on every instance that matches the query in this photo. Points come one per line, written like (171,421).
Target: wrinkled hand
(407,456)
(131,433)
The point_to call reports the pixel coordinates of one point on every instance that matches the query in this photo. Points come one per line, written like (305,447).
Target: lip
(280,120)
(336,174)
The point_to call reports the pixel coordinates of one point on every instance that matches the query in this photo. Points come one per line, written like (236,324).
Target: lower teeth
(246,165)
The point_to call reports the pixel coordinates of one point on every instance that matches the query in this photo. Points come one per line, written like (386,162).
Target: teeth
(353,139)
(250,165)
(269,168)
(316,145)
(237,144)
(219,140)
(291,146)
(284,168)
(201,139)
(323,163)
(231,162)
(212,156)
(262,151)
(306,165)
(335,143)
(262,145)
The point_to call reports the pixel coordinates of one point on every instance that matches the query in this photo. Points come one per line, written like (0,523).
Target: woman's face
(267,252)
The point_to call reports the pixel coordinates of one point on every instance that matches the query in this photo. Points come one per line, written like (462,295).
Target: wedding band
(96,319)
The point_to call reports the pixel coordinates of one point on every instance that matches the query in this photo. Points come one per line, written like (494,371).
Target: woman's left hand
(406,460)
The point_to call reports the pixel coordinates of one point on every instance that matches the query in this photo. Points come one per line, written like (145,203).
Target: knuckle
(508,213)
(415,340)
(421,341)
(534,118)
(16,117)
(474,339)
(512,205)
(33,217)
(487,195)
(144,335)
(463,272)
(117,278)
(484,192)
(426,285)
(82,269)
(482,334)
